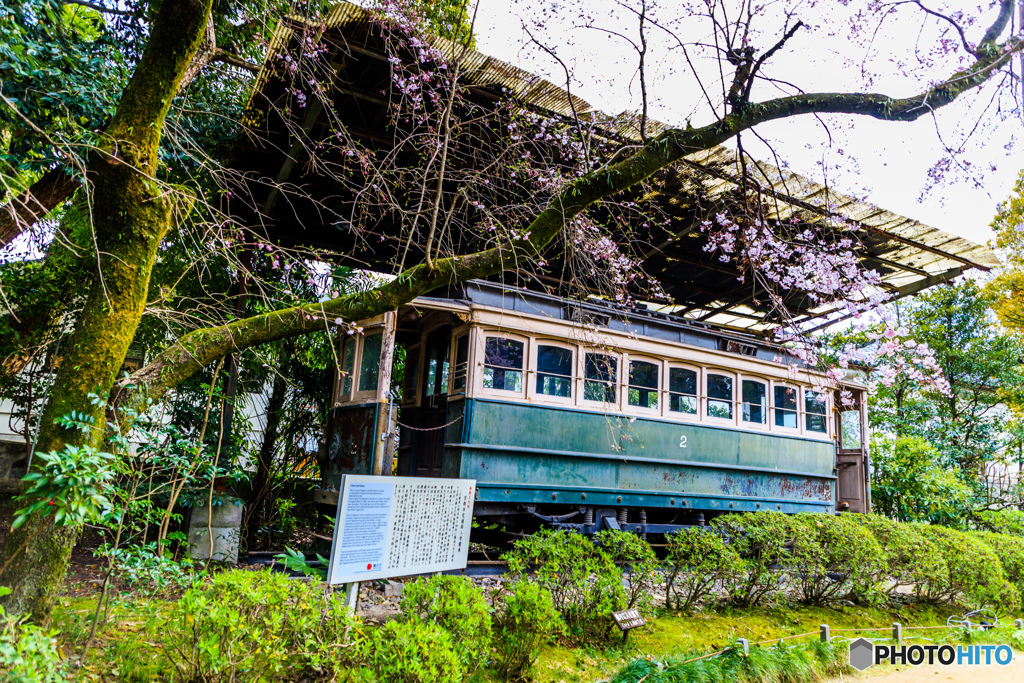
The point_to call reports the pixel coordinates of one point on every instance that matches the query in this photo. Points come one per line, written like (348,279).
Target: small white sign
(399,526)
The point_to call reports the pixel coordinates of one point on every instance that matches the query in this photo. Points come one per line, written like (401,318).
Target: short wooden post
(826,637)
(1018,623)
(742,642)
(897,633)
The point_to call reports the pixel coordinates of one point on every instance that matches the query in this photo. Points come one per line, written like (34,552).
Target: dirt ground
(993,673)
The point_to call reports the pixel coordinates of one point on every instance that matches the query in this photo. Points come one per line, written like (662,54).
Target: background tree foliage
(931,449)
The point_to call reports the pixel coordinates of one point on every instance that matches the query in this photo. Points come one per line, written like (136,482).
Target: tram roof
(909,255)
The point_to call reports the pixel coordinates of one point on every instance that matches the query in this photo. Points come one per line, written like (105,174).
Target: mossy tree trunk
(131,214)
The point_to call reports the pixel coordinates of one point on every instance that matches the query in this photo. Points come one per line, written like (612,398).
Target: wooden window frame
(705,416)
(369,395)
(700,370)
(457,334)
(627,362)
(825,435)
(481,347)
(799,412)
(759,426)
(534,370)
(581,371)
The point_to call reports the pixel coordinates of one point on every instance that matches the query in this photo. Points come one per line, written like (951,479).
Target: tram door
(853,494)
(433,403)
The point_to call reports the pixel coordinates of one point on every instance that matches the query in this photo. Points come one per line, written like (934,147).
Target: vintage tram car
(587,415)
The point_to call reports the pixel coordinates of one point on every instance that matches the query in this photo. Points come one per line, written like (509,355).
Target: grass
(657,651)
(671,639)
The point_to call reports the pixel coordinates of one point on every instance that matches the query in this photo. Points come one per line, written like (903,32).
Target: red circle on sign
(369,566)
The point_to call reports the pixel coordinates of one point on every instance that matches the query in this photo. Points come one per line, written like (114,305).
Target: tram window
(412,367)
(369,362)
(433,386)
(850,420)
(600,373)
(755,401)
(643,384)
(461,362)
(719,396)
(554,371)
(348,362)
(814,412)
(503,364)
(785,408)
(682,390)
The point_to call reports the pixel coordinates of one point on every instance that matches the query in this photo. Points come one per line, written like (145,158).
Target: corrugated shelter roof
(909,255)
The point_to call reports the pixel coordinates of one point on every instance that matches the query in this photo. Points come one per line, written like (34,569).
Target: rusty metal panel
(350,431)
(523,453)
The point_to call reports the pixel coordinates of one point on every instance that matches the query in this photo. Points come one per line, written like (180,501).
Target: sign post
(627,620)
(399,526)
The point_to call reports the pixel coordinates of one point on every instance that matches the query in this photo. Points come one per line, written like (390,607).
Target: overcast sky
(886,163)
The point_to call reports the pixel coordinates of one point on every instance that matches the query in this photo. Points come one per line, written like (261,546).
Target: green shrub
(699,561)
(527,616)
(973,572)
(762,540)
(1001,521)
(410,652)
(911,558)
(146,573)
(636,556)
(1010,551)
(834,556)
(256,626)
(584,582)
(454,604)
(28,654)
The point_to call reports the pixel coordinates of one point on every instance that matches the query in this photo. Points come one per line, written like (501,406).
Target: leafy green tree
(912,482)
(137,201)
(1007,287)
(943,436)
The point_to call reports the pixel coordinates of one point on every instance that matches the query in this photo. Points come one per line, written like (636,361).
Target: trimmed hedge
(825,559)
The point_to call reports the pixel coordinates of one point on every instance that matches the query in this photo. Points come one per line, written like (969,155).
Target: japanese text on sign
(394,526)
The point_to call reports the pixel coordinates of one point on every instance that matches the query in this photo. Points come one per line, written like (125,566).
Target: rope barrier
(428,429)
(952,623)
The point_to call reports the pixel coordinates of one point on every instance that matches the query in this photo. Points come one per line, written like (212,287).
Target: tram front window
(755,401)
(369,364)
(503,364)
(719,396)
(600,373)
(785,408)
(554,371)
(682,391)
(643,384)
(814,412)
(348,363)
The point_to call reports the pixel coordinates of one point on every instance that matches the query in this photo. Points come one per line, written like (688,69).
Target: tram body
(588,416)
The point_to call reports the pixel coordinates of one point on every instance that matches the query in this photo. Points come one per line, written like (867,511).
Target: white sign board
(398,526)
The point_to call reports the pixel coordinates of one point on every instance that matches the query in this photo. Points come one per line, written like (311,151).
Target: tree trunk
(132,213)
(33,205)
(265,455)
